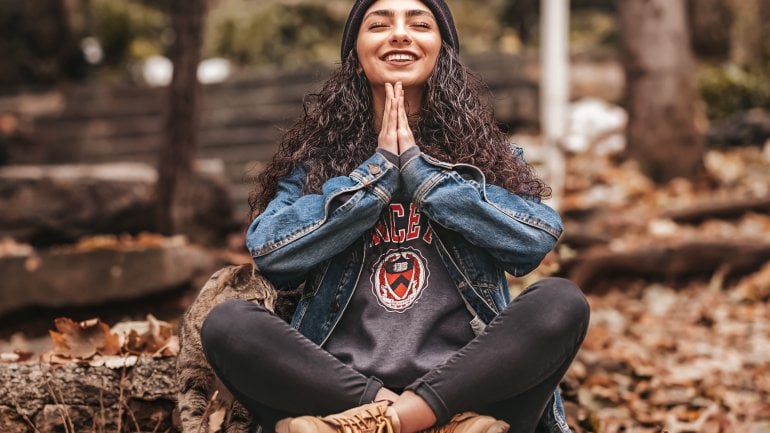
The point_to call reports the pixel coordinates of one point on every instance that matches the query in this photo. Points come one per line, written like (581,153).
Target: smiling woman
(399,206)
(398,45)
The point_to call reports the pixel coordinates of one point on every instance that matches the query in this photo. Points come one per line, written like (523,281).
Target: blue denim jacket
(482,231)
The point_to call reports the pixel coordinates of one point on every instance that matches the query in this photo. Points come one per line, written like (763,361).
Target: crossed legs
(509,371)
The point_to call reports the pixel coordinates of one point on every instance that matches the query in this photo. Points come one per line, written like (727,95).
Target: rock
(745,128)
(99,275)
(47,205)
(595,125)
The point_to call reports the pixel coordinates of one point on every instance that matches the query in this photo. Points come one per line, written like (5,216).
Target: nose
(400,34)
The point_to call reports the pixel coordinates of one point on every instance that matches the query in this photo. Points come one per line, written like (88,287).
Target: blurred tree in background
(48,41)
(175,187)
(275,33)
(660,95)
(39,41)
(735,36)
(129,29)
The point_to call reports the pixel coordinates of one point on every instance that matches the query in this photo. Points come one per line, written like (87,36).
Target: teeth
(399,57)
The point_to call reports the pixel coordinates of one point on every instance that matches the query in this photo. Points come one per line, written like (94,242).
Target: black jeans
(509,371)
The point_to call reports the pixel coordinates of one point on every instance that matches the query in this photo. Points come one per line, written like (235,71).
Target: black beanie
(439,8)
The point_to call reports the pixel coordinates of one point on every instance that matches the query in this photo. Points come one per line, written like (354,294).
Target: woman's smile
(400,57)
(399,40)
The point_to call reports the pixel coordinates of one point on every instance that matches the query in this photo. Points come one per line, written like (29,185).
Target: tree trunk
(175,211)
(747,35)
(40,42)
(660,93)
(709,23)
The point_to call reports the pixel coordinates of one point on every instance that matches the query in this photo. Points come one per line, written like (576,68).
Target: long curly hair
(337,133)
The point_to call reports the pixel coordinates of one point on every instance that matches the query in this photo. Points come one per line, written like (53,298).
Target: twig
(59,405)
(101,410)
(206,411)
(69,418)
(157,424)
(133,418)
(121,401)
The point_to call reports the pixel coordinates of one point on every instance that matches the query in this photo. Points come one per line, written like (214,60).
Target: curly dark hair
(337,132)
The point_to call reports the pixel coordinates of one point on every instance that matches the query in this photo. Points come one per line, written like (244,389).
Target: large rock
(47,205)
(72,277)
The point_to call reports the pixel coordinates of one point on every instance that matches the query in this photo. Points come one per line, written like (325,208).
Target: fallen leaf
(83,340)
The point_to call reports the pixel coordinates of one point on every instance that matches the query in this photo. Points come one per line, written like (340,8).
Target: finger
(393,122)
(405,135)
(388,107)
(394,110)
(403,119)
(388,138)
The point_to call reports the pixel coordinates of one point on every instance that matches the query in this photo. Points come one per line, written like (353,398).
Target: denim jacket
(482,231)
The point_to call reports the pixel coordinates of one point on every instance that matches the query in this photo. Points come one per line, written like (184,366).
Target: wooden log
(592,269)
(44,398)
(719,210)
(41,398)
(64,278)
(46,205)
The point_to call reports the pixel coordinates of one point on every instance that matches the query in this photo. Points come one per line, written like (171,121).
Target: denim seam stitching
(532,222)
(272,246)
(426,187)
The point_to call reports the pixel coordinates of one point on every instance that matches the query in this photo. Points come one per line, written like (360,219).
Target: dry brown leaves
(127,242)
(629,209)
(660,358)
(687,360)
(93,342)
(83,340)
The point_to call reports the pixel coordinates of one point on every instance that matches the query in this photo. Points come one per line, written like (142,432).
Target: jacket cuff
(390,156)
(378,175)
(409,154)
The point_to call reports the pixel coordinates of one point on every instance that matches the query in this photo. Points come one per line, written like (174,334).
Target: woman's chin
(405,81)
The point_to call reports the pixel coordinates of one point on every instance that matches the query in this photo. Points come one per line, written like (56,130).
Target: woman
(400,206)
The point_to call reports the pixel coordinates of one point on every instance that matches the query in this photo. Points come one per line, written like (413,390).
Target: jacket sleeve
(516,231)
(297,231)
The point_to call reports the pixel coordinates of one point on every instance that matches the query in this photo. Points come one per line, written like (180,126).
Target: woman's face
(399,40)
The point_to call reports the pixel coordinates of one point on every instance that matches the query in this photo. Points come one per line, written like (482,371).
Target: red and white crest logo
(399,278)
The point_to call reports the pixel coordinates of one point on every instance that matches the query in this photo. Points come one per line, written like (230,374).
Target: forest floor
(686,353)
(680,354)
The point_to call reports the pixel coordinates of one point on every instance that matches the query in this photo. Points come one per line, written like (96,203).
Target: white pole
(554,88)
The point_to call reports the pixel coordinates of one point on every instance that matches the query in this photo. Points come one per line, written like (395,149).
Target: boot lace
(373,420)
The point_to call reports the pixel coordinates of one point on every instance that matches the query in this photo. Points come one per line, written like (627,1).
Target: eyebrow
(390,13)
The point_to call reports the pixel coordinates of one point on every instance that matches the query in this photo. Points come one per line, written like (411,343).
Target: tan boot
(471,422)
(377,417)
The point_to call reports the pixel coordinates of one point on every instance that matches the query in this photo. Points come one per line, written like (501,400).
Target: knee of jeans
(214,327)
(221,322)
(570,307)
